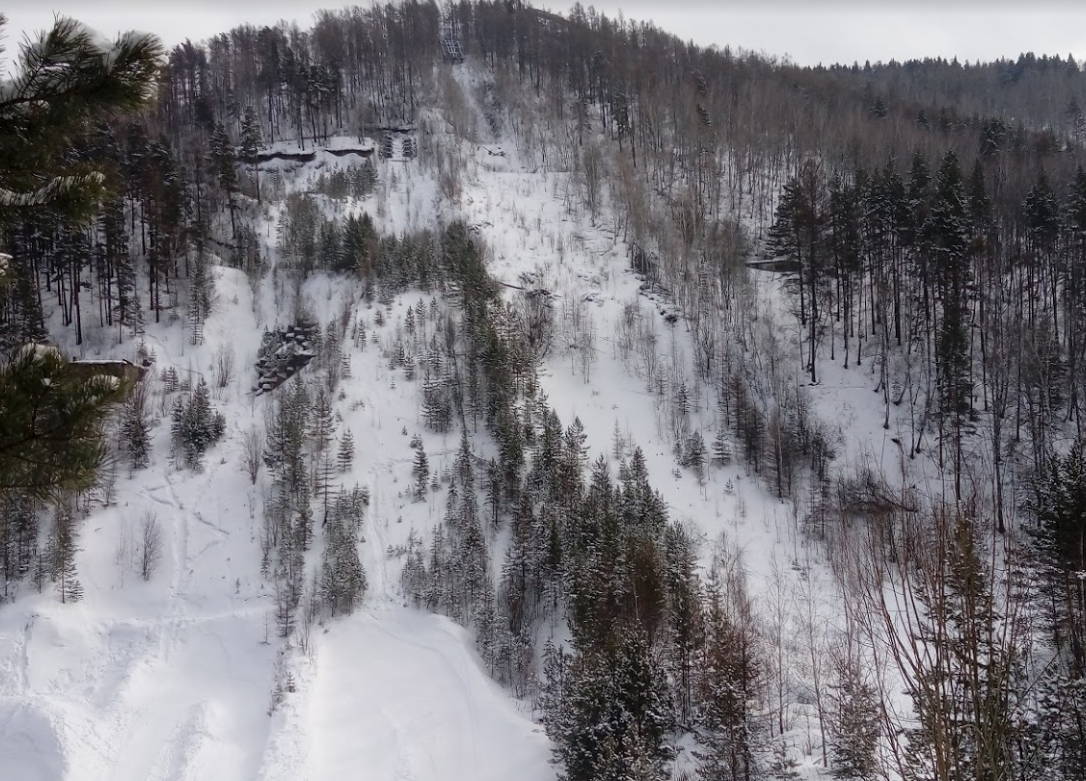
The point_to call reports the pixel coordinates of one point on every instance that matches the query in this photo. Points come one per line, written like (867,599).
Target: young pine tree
(345,456)
(61,553)
(322,421)
(695,455)
(722,452)
(135,428)
(854,731)
(420,473)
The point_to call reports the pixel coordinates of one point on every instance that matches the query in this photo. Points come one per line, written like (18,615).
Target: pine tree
(19,550)
(342,578)
(552,691)
(197,432)
(62,552)
(224,160)
(322,421)
(75,80)
(177,432)
(323,478)
(783,767)
(854,732)
(726,684)
(1060,542)
(695,455)
(797,236)
(612,717)
(420,473)
(201,294)
(52,423)
(682,403)
(126,310)
(436,404)
(492,485)
(250,144)
(575,443)
(722,452)
(345,456)
(135,428)
(195,427)
(948,232)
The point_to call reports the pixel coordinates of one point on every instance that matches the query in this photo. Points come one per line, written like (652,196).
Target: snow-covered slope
(174,678)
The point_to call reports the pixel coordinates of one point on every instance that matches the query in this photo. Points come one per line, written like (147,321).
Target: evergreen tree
(797,236)
(52,423)
(854,731)
(62,552)
(135,428)
(251,140)
(782,766)
(722,452)
(420,473)
(618,443)
(74,80)
(345,456)
(19,551)
(695,455)
(1060,541)
(613,717)
(947,232)
(322,421)
(727,681)
(126,310)
(195,426)
(177,432)
(343,578)
(323,477)
(224,161)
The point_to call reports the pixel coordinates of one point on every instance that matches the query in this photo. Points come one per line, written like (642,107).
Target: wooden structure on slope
(450,42)
(267,156)
(125,371)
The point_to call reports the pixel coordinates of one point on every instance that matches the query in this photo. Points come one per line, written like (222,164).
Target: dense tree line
(53,435)
(965,298)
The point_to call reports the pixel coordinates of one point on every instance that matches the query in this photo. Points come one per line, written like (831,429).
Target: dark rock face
(283,354)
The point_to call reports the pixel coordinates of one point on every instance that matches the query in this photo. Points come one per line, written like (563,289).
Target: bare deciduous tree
(149,547)
(254,452)
(224,366)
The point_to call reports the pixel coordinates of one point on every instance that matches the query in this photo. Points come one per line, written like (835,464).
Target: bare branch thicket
(537,314)
(946,618)
(224,366)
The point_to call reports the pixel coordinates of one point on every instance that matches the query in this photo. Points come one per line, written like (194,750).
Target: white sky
(809,32)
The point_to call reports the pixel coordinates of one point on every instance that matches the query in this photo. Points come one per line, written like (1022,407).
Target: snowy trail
(399,696)
(164,680)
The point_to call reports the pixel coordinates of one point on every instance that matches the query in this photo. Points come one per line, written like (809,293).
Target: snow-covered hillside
(176,678)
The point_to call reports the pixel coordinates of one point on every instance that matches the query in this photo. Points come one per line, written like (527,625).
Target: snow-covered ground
(173,678)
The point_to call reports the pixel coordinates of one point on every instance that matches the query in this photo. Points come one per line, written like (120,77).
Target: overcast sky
(809,32)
